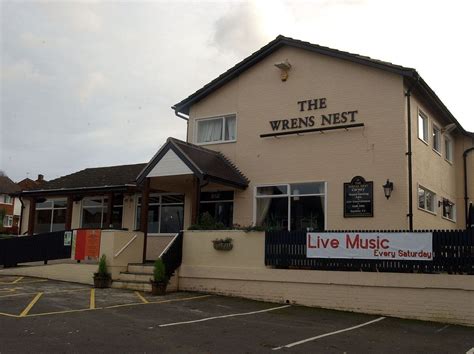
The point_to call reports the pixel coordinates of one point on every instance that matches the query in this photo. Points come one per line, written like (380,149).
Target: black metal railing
(41,247)
(453,252)
(173,254)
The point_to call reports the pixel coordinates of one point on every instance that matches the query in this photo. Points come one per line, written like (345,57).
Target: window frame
(435,198)
(434,128)
(449,158)
(454,210)
(8,221)
(289,195)
(102,207)
(222,141)
(160,204)
(52,208)
(426,122)
(4,197)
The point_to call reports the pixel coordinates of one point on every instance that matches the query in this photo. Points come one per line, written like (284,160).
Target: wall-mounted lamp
(388,188)
(284,67)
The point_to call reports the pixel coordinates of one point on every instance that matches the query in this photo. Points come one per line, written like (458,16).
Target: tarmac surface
(39,315)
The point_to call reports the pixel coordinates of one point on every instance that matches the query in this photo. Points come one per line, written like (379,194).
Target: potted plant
(160,279)
(223,244)
(102,278)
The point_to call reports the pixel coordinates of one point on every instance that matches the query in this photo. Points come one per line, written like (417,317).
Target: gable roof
(204,163)
(93,178)
(28,183)
(410,75)
(7,186)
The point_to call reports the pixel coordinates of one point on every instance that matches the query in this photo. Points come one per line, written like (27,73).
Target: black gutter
(80,190)
(409,154)
(466,198)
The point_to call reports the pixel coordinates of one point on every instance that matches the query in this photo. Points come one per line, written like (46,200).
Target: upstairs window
(423,127)
(6,199)
(448,149)
(449,210)
(436,139)
(216,130)
(8,221)
(426,199)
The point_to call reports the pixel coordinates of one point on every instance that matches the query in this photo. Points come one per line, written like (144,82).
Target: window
(426,199)
(436,139)
(6,199)
(165,213)
(50,215)
(448,149)
(423,127)
(214,130)
(220,205)
(95,212)
(299,206)
(449,209)
(8,221)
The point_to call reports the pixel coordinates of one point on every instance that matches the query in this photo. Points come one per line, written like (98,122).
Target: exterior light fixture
(284,66)
(388,188)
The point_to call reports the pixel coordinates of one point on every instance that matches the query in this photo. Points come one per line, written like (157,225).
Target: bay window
(215,130)
(298,206)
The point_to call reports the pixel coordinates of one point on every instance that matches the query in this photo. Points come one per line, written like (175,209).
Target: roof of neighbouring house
(7,186)
(28,184)
(410,75)
(97,177)
(204,163)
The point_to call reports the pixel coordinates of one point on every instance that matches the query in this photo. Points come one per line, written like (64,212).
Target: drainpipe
(466,198)
(21,215)
(186,118)
(410,153)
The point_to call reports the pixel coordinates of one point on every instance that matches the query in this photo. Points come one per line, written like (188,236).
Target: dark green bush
(159,271)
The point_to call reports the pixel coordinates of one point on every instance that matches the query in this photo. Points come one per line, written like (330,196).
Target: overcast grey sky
(87,84)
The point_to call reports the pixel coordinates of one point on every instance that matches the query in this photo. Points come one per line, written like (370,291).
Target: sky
(91,83)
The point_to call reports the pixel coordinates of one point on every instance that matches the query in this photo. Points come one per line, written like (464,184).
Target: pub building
(295,137)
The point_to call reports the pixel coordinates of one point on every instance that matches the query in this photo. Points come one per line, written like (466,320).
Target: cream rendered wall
(25,217)
(431,170)
(241,272)
(376,152)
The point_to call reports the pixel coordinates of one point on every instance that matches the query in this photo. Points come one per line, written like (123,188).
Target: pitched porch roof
(177,157)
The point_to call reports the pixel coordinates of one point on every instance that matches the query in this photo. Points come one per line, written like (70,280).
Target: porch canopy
(184,167)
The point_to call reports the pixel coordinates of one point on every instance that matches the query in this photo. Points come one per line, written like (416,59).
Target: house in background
(28,183)
(10,208)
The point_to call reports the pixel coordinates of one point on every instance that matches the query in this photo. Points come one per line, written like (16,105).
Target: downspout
(466,198)
(409,154)
(186,118)
(21,215)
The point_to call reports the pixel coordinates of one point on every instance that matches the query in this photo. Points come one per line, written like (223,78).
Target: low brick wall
(241,272)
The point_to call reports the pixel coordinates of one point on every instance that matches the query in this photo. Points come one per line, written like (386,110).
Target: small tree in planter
(102,278)
(160,279)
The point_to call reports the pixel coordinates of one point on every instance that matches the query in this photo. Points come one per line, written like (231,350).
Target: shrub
(207,222)
(159,271)
(102,266)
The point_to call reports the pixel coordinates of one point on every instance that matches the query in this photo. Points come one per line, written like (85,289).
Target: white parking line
(470,351)
(328,334)
(224,316)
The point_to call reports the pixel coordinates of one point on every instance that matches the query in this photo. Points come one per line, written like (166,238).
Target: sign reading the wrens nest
(358,198)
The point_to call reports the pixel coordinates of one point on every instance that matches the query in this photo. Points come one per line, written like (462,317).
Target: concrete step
(140,268)
(128,276)
(132,285)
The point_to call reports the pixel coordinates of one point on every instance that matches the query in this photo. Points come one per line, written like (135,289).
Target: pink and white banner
(371,245)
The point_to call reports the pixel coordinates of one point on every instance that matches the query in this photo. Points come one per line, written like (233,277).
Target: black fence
(41,247)
(173,255)
(453,252)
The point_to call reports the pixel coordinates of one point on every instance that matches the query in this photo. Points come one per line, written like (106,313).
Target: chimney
(40,178)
